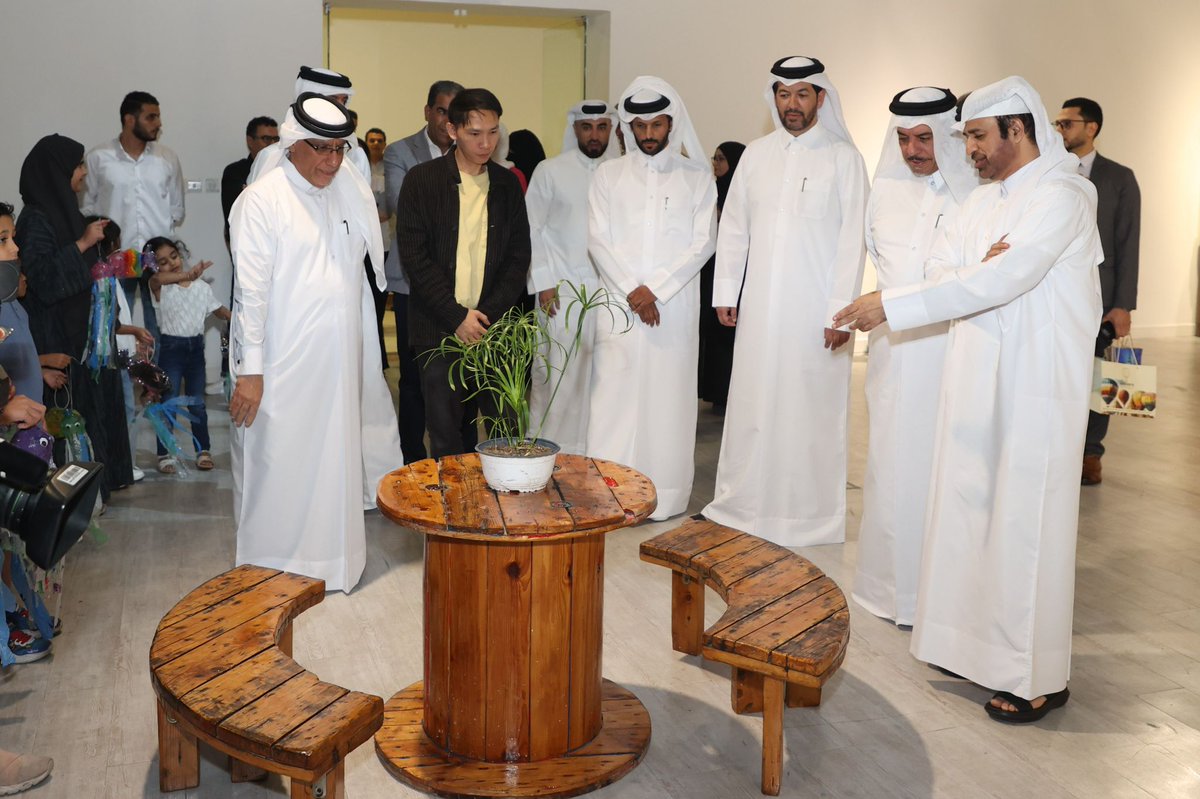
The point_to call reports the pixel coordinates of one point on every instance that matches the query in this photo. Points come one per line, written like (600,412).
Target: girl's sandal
(166,464)
(204,461)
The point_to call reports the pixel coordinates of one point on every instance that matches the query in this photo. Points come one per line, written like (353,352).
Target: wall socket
(211,185)
(194,186)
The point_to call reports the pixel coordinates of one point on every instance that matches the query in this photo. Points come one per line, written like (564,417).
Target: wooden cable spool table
(513,702)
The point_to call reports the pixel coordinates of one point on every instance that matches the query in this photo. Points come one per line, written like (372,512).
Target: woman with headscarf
(57,253)
(716,340)
(526,151)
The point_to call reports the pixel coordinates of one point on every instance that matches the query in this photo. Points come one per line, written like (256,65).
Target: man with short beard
(651,225)
(922,177)
(1016,277)
(557,202)
(138,183)
(791,245)
(1119,219)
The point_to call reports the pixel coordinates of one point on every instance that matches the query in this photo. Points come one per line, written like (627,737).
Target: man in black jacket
(463,239)
(1119,219)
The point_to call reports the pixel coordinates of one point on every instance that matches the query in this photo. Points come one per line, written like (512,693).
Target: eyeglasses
(329,149)
(268,139)
(1063,124)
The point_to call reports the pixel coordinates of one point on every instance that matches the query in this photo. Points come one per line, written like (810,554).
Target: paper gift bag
(1124,389)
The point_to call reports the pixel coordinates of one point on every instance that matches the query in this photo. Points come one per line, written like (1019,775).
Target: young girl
(183,303)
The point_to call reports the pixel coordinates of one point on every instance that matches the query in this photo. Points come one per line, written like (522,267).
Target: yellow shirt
(472,238)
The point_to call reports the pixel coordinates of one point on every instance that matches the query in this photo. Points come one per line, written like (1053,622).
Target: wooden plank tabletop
(449,498)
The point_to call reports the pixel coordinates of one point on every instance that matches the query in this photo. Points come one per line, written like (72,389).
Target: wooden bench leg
(285,640)
(802,696)
(178,755)
(244,772)
(745,691)
(772,753)
(328,786)
(687,613)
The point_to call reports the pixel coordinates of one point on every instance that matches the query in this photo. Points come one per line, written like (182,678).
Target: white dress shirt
(143,195)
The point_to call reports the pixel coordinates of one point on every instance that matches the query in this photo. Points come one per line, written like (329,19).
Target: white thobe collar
(1016,179)
(659,162)
(299,181)
(1085,163)
(935,182)
(814,137)
(589,163)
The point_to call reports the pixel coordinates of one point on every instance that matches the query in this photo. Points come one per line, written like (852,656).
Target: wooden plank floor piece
(742,566)
(633,490)
(414,492)
(678,546)
(222,653)
(819,650)
(739,621)
(409,755)
(216,590)
(259,725)
(760,643)
(331,733)
(470,504)
(534,513)
(229,692)
(291,590)
(584,494)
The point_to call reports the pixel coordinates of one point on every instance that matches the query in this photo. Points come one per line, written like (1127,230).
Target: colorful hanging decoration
(100,352)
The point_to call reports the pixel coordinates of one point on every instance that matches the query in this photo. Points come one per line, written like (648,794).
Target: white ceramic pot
(516,472)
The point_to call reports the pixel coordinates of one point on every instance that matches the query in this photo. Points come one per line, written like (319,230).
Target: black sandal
(1025,712)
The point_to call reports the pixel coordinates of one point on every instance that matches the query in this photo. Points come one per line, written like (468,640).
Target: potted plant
(501,365)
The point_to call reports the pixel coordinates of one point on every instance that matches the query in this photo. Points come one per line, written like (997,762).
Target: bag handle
(1120,344)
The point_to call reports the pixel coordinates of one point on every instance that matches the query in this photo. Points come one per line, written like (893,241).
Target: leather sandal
(204,461)
(1025,712)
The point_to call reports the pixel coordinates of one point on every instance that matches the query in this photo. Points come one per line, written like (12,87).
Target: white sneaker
(138,474)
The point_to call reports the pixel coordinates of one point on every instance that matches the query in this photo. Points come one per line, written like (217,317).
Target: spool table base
(411,757)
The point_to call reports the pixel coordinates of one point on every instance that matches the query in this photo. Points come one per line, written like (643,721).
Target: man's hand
(472,328)
(835,338)
(93,234)
(642,302)
(865,313)
(727,316)
(247,396)
(548,301)
(1121,320)
(23,412)
(997,248)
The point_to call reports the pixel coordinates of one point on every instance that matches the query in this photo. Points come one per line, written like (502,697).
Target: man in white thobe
(557,202)
(327,83)
(922,177)
(1017,276)
(791,243)
(315,430)
(651,223)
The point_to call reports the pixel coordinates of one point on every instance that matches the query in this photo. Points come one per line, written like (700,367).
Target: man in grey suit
(431,141)
(1119,218)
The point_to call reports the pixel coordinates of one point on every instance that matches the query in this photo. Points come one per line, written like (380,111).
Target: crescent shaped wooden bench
(784,633)
(222,668)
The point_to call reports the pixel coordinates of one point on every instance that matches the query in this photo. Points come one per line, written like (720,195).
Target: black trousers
(450,416)
(412,405)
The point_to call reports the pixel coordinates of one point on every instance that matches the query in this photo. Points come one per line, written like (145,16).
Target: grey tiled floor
(888,727)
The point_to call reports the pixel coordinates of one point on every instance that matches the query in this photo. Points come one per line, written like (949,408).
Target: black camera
(47,509)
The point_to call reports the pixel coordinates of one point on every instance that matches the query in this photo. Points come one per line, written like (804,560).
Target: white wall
(212,64)
(1139,60)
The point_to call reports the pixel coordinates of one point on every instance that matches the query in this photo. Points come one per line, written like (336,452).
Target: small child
(183,303)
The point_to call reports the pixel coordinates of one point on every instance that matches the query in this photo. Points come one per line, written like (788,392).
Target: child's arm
(160,279)
(223,314)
